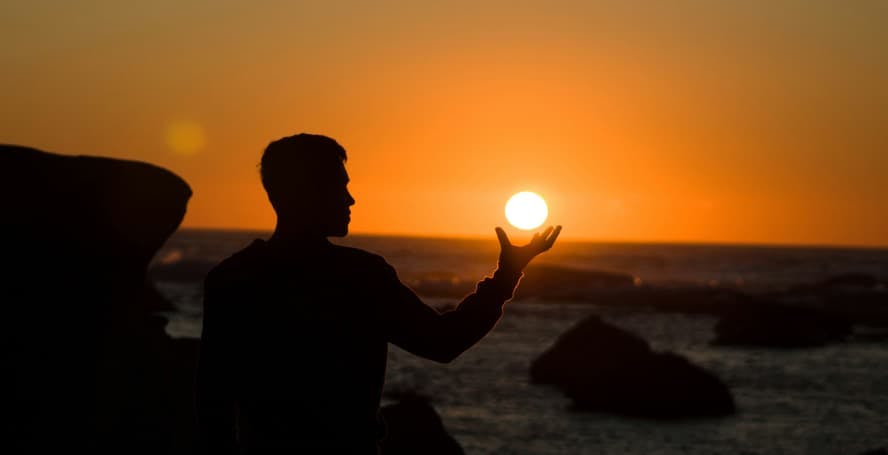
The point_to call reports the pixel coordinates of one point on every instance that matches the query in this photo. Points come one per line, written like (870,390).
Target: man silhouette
(296,329)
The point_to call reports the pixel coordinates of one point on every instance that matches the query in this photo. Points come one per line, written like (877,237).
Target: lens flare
(185,138)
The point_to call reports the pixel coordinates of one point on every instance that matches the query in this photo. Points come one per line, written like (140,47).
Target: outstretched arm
(418,328)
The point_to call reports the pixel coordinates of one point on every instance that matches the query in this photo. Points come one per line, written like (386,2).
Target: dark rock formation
(768,324)
(413,426)
(556,282)
(90,364)
(854,297)
(684,300)
(604,368)
(543,281)
(847,281)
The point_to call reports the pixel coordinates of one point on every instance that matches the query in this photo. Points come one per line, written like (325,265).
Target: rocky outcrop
(606,369)
(543,281)
(857,298)
(413,426)
(844,282)
(556,282)
(768,324)
(90,363)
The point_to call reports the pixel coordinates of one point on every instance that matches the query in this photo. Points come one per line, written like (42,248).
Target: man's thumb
(503,238)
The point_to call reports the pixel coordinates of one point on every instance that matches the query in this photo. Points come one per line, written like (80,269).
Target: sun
(526,210)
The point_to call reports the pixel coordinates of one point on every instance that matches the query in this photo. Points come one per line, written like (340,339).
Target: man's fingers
(551,239)
(541,241)
(503,238)
(545,235)
(534,242)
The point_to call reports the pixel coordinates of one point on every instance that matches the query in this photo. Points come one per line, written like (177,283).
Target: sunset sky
(689,121)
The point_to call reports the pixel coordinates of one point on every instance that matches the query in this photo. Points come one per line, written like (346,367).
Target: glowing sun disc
(526,210)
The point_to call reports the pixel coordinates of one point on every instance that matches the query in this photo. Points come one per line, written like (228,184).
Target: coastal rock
(565,283)
(606,369)
(683,300)
(857,298)
(100,207)
(89,360)
(780,326)
(413,426)
(847,282)
(542,281)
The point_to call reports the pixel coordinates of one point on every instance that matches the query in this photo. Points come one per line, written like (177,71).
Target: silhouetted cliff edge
(91,366)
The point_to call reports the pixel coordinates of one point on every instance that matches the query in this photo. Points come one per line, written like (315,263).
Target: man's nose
(350,200)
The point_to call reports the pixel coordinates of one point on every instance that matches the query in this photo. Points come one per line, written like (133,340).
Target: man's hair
(303,161)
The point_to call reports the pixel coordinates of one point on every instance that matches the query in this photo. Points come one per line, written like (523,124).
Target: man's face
(321,208)
(337,202)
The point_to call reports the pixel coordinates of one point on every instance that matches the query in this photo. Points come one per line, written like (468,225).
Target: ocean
(823,400)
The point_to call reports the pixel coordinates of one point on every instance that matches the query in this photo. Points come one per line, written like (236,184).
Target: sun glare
(526,210)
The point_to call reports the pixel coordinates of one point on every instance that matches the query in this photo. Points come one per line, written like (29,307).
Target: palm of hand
(515,258)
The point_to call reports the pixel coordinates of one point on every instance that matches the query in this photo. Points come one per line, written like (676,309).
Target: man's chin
(340,232)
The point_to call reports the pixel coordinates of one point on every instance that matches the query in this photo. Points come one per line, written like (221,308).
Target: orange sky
(696,121)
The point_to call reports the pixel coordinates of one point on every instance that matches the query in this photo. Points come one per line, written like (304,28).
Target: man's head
(305,178)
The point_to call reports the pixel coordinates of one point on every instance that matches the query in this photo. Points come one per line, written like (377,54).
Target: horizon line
(833,246)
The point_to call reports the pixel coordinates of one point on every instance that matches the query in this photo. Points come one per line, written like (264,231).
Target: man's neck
(288,236)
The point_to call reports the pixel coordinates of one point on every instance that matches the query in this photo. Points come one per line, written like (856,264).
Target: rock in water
(604,368)
(555,282)
(780,326)
(92,368)
(413,427)
(590,345)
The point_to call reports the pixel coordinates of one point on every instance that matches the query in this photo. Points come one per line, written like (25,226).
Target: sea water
(826,400)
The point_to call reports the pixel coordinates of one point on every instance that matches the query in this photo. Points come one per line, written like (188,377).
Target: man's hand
(515,258)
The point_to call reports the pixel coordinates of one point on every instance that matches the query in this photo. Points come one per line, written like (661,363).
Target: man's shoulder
(360,257)
(239,265)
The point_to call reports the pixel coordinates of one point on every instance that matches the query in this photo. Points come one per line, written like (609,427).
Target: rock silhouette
(844,282)
(606,369)
(413,426)
(557,282)
(853,297)
(91,366)
(543,281)
(780,326)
